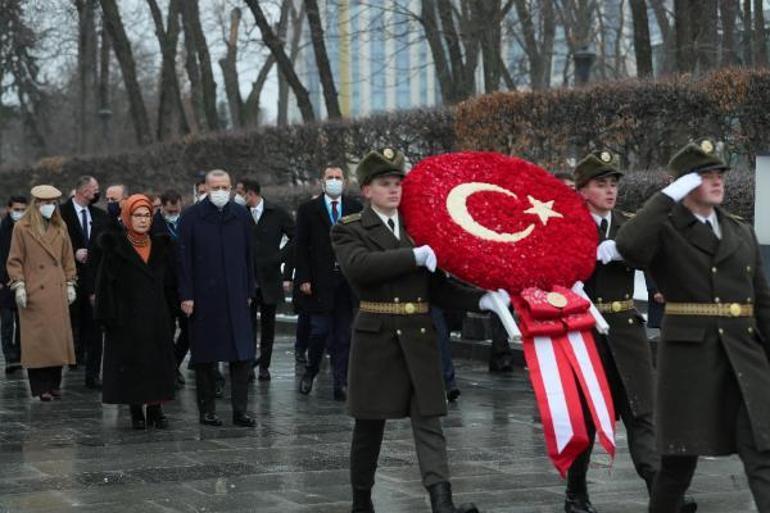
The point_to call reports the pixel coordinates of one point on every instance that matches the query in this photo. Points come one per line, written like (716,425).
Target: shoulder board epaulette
(736,217)
(628,214)
(350,218)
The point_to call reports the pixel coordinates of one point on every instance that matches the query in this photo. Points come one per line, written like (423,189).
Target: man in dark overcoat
(625,351)
(271,224)
(216,284)
(713,391)
(326,295)
(395,365)
(9,312)
(85,222)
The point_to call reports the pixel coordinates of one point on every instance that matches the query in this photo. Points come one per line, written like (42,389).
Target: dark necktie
(84,223)
(603,228)
(335,212)
(392,225)
(711,229)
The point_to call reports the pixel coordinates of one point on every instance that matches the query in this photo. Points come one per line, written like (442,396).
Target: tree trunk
(284,63)
(288,12)
(322,60)
(748,50)
(429,23)
(728,10)
(170,110)
(705,36)
(192,23)
(128,68)
(105,112)
(87,64)
(230,71)
(661,17)
(683,36)
(194,75)
(251,107)
(760,35)
(642,45)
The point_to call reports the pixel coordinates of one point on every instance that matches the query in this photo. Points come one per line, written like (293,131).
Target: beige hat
(45,192)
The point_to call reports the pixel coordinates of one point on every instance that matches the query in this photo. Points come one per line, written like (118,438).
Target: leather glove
(71,294)
(683,185)
(487,301)
(425,257)
(20,291)
(607,252)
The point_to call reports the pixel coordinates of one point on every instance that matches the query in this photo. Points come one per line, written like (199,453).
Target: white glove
(683,185)
(425,257)
(21,294)
(71,294)
(487,301)
(607,252)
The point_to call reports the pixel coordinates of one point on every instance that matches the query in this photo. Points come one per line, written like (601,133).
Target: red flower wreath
(499,222)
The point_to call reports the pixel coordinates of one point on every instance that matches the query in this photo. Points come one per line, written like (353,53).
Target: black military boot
(441,500)
(578,503)
(362,500)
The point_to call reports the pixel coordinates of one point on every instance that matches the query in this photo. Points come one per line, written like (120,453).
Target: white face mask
(47,210)
(219,198)
(333,188)
(239,200)
(15,216)
(171,218)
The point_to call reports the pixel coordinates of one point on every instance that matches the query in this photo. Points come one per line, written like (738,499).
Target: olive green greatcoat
(706,365)
(625,351)
(394,359)
(45,263)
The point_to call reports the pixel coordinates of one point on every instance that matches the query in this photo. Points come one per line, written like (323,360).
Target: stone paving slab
(77,455)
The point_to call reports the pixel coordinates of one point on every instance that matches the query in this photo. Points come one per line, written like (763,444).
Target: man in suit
(166,220)
(85,222)
(326,293)
(713,390)
(9,312)
(271,225)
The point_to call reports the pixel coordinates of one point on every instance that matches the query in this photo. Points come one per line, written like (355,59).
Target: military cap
(380,163)
(596,165)
(700,155)
(45,192)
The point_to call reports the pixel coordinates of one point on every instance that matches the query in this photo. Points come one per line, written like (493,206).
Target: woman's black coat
(132,303)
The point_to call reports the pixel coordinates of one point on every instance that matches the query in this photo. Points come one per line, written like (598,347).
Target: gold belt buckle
(735,309)
(616,306)
(410,308)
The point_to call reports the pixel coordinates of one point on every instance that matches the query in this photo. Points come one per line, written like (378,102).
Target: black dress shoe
(306,383)
(252,376)
(12,368)
(441,500)
(362,500)
(688,505)
(210,419)
(243,420)
(264,374)
(137,416)
(340,394)
(578,504)
(452,394)
(503,364)
(94,383)
(155,417)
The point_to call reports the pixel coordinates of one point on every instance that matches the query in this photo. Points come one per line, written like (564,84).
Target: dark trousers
(267,333)
(442,333)
(641,443)
(11,335)
(87,337)
(44,379)
(205,381)
(676,472)
(302,335)
(500,354)
(182,344)
(332,331)
(429,442)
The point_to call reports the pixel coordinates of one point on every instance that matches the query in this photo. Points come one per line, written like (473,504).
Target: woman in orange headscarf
(134,288)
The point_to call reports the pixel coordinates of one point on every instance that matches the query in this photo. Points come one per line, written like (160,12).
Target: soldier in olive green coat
(713,392)
(625,351)
(395,367)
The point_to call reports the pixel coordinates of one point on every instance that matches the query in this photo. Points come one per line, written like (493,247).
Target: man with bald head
(216,285)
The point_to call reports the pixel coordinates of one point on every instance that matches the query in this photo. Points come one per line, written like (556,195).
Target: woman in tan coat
(41,268)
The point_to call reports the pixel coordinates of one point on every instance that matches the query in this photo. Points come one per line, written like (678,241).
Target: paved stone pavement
(77,455)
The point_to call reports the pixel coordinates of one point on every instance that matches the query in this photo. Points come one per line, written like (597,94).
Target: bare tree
(105,112)
(297,21)
(125,58)
(195,41)
(664,24)
(322,59)
(283,61)
(87,50)
(747,46)
(537,47)
(728,10)
(230,70)
(760,35)
(642,45)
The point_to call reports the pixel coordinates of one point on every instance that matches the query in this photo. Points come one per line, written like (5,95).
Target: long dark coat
(394,359)
(625,352)
(100,222)
(274,223)
(133,303)
(313,257)
(7,299)
(217,273)
(707,366)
